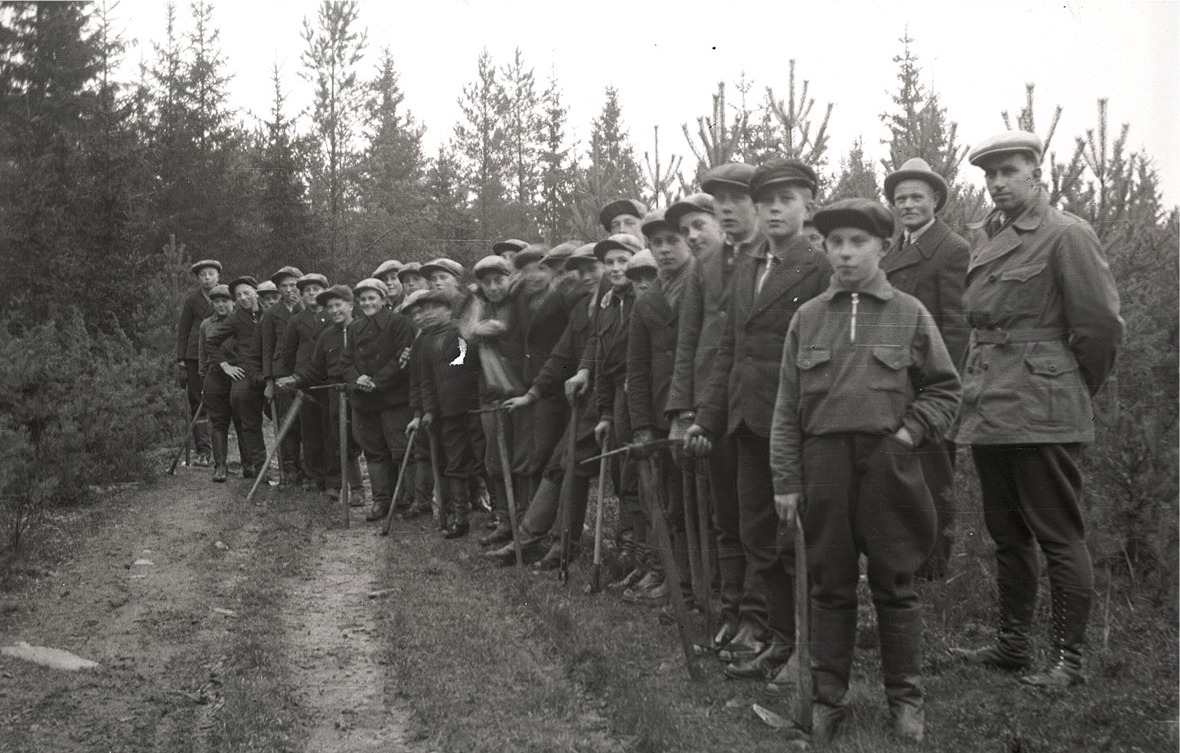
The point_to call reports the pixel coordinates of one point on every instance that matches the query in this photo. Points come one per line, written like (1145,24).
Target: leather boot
(423,490)
(833,637)
(502,533)
(900,631)
(745,644)
(219,440)
(1071,613)
(379,509)
(458,508)
(506,555)
(1012,649)
(357,496)
(763,666)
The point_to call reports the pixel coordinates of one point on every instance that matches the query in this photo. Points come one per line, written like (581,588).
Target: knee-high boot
(900,631)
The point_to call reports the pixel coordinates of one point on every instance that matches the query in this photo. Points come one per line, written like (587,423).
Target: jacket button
(985,367)
(805,363)
(1052,368)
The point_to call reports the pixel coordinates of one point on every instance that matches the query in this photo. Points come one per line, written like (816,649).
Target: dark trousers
(194,385)
(770,557)
(217,387)
(1032,497)
(382,436)
(248,402)
(742,597)
(289,447)
(864,494)
(937,456)
(313,423)
(461,440)
(622,472)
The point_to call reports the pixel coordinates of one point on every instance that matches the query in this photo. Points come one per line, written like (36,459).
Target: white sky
(666,59)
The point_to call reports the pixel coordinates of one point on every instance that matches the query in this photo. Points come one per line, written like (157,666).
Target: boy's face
(615,262)
(814,237)
(854,254)
(393,284)
(246,297)
(413,282)
(701,232)
(309,292)
(643,281)
(223,306)
(339,310)
(494,286)
(288,291)
(371,302)
(207,278)
(626,223)
(266,300)
(735,211)
(444,281)
(432,313)
(535,277)
(668,248)
(589,275)
(782,209)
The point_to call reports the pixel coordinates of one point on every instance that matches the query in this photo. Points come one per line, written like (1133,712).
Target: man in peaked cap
(623,216)
(410,276)
(509,248)
(929,261)
(196,308)
(1046,328)
(388,273)
(216,382)
(701,324)
(770,282)
(853,406)
(293,354)
(273,325)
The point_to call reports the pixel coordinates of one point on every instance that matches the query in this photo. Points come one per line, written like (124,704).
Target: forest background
(110,188)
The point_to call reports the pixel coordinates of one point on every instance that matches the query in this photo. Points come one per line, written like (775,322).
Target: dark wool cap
(243,280)
(284,273)
(865,214)
(442,265)
(557,255)
(584,254)
(622,206)
(697,202)
(220,291)
(733,174)
(392,265)
(625,241)
(782,172)
(654,222)
(310,278)
(409,268)
(489,264)
(531,253)
(336,291)
(509,246)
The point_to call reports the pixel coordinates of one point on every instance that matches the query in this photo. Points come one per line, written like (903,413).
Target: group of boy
(803,361)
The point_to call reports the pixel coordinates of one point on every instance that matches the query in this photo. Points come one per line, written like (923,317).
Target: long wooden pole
(288,422)
(401,477)
(506,469)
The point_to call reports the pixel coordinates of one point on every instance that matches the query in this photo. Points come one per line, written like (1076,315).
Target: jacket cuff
(914,427)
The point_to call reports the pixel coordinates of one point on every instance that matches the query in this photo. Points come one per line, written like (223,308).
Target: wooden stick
(401,477)
(274,419)
(440,508)
(802,625)
(506,469)
(692,539)
(567,491)
(596,570)
(704,489)
(343,425)
(187,434)
(288,422)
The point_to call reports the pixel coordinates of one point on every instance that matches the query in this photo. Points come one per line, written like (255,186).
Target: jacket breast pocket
(815,370)
(890,368)
(1025,288)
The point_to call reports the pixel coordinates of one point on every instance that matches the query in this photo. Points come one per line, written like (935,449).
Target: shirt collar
(876,286)
(912,237)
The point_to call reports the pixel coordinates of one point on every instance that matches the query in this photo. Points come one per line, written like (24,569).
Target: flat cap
(917,169)
(697,202)
(583,254)
(336,291)
(441,265)
(220,291)
(512,245)
(621,206)
(625,241)
(494,263)
(654,222)
(865,214)
(556,256)
(203,263)
(419,297)
(640,263)
(409,268)
(732,174)
(238,281)
(1005,143)
(311,278)
(284,273)
(782,172)
(268,287)
(388,267)
(531,253)
(371,283)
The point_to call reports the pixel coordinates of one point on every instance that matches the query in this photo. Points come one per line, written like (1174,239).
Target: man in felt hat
(246,394)
(929,261)
(701,325)
(1046,328)
(864,378)
(375,368)
(293,354)
(196,308)
(273,325)
(623,216)
(770,283)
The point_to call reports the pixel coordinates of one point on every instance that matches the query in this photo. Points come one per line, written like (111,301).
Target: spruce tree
(482,147)
(557,169)
(289,236)
(857,178)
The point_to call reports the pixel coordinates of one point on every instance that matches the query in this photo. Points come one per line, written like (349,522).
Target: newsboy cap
(625,241)
(267,287)
(284,273)
(641,263)
(336,291)
(621,206)
(1005,143)
(512,245)
(441,265)
(409,268)
(371,283)
(733,174)
(529,254)
(654,222)
(697,202)
(311,278)
(489,264)
(419,297)
(865,214)
(220,291)
(203,263)
(782,172)
(583,254)
(387,267)
(917,169)
(556,256)
(238,281)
